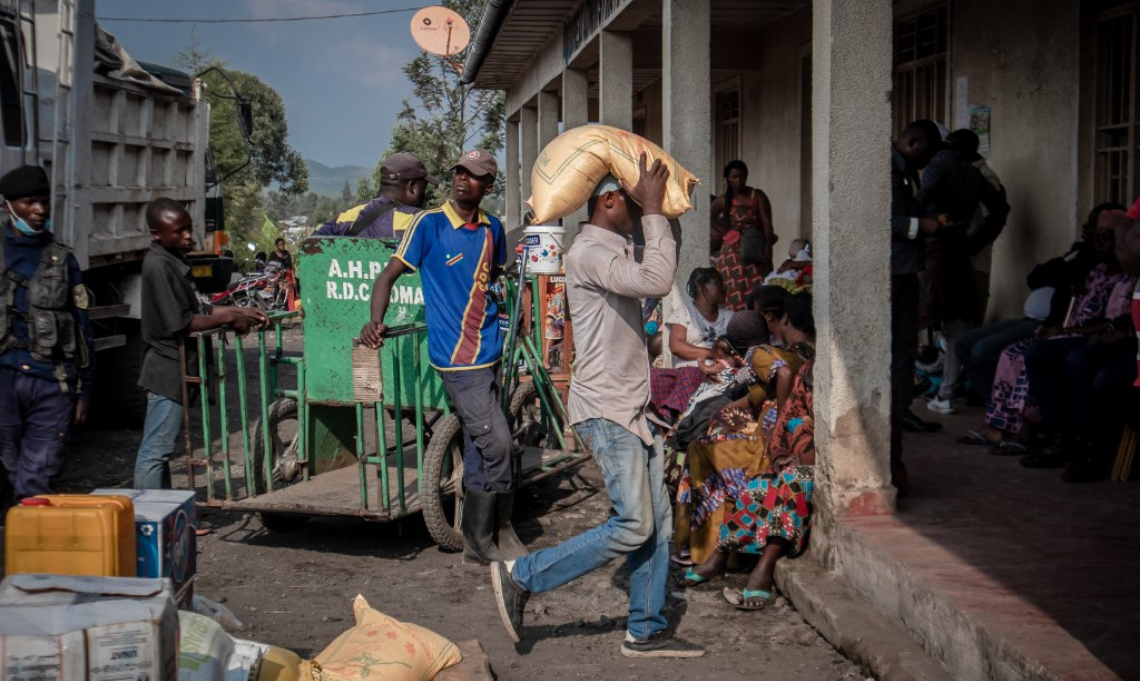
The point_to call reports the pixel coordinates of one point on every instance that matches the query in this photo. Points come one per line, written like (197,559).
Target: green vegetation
(270,158)
(446,117)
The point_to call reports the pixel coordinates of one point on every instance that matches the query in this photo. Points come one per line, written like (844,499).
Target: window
(920,67)
(728,123)
(11,90)
(1115,177)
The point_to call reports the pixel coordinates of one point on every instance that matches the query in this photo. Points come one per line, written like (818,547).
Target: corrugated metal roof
(531,24)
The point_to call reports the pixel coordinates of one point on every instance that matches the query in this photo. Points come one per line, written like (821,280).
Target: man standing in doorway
(608,396)
(46,347)
(458,249)
(911,151)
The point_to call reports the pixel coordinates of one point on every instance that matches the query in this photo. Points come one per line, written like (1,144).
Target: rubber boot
(505,536)
(478,528)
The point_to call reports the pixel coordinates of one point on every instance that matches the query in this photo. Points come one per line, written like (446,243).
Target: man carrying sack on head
(459,249)
(608,396)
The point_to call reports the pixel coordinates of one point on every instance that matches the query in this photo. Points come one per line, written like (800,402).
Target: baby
(799,257)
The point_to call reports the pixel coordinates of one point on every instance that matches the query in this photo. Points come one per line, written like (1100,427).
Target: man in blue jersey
(458,249)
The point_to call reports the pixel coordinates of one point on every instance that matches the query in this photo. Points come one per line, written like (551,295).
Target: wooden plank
(108,311)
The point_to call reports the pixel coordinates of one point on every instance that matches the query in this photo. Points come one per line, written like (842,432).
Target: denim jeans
(980,349)
(160,439)
(639,529)
(35,423)
(487,445)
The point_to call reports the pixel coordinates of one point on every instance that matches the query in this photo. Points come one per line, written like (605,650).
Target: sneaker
(941,405)
(660,644)
(511,599)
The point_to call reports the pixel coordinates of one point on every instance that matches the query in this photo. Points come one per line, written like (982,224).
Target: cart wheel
(525,419)
(283,430)
(443,484)
(283,522)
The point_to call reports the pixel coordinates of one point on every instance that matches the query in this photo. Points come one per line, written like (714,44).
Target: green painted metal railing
(255,407)
(214,382)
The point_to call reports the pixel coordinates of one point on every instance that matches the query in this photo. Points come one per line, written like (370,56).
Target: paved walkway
(1045,566)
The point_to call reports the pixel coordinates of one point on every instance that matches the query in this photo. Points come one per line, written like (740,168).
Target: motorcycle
(268,290)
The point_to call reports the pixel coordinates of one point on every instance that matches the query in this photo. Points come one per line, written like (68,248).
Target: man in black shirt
(170,312)
(911,151)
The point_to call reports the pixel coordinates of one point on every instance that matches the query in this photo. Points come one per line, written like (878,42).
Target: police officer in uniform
(46,348)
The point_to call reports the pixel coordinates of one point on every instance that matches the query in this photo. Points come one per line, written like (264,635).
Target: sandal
(975,437)
(740,599)
(693,579)
(682,559)
(1009,448)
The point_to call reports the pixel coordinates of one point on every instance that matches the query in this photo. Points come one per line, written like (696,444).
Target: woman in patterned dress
(734,449)
(739,209)
(1106,294)
(771,515)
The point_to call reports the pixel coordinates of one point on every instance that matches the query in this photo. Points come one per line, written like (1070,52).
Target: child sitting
(799,259)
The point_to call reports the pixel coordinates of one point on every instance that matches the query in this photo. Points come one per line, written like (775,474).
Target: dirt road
(295,589)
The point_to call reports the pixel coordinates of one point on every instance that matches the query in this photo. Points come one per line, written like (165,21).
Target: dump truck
(113,135)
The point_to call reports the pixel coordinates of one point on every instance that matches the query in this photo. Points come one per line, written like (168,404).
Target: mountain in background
(330,181)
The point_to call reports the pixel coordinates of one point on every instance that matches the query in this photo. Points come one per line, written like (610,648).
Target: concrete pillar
(615,79)
(513,213)
(548,115)
(528,136)
(851,204)
(687,117)
(575,113)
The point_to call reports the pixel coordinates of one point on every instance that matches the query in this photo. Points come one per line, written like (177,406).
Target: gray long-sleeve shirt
(604,287)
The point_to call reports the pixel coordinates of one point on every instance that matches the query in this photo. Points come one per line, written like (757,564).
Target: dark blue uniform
(36,410)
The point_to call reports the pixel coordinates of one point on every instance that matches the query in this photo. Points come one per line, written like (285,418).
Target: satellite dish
(441,31)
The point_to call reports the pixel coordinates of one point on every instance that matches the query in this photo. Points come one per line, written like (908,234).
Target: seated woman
(772,515)
(1106,295)
(733,448)
(691,330)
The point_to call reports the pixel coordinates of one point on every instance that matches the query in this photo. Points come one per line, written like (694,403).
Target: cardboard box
(69,628)
(165,521)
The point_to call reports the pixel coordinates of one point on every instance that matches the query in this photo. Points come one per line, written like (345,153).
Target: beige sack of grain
(572,165)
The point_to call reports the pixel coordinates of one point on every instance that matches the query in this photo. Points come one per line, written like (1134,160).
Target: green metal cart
(286,433)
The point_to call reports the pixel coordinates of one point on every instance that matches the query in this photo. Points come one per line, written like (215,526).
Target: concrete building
(809,94)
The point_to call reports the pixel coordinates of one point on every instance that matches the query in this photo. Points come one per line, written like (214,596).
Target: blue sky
(340,79)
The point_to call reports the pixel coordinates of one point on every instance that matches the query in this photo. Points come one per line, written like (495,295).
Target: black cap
(403,166)
(23,182)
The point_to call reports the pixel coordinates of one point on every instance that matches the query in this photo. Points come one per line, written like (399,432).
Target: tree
(245,168)
(447,117)
(346,193)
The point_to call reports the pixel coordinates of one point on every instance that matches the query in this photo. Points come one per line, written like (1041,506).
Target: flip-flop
(682,560)
(1009,448)
(739,599)
(975,437)
(692,579)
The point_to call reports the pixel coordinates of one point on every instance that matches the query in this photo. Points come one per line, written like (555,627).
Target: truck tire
(442,486)
(121,402)
(283,432)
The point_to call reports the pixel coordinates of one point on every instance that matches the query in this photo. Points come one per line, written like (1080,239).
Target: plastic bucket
(544,248)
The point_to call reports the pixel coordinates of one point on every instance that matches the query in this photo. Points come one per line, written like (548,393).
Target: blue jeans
(980,349)
(160,439)
(639,529)
(35,423)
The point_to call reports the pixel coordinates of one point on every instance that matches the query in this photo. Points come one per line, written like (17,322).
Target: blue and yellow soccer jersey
(455,260)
